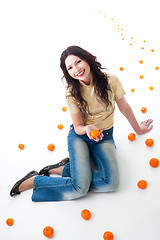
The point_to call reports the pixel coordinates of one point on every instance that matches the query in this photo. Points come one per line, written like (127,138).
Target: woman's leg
(106,177)
(66,188)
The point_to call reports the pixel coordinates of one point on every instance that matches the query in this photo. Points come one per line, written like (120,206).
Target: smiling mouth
(81,73)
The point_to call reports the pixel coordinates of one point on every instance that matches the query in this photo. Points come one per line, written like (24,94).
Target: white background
(32,36)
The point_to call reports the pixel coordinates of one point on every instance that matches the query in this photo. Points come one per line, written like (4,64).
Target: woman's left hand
(145,126)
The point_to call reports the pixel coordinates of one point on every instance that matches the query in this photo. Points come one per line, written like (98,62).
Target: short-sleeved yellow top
(100,116)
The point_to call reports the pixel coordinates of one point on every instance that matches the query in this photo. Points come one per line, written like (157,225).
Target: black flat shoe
(15,190)
(45,170)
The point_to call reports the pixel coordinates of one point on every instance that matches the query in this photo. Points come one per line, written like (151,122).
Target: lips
(80,74)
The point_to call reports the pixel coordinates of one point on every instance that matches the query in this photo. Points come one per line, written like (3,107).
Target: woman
(91,95)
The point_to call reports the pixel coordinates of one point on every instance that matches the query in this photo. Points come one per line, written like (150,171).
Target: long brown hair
(100,80)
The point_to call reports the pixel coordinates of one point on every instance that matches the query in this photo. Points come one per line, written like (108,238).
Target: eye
(78,61)
(69,68)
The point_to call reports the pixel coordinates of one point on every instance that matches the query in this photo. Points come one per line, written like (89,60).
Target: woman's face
(78,69)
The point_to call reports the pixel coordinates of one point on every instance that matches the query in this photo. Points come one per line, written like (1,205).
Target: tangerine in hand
(95,133)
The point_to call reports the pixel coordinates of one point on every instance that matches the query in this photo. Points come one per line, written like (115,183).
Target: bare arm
(126,110)
(81,129)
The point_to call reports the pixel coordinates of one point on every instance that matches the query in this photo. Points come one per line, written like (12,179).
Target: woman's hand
(89,128)
(145,126)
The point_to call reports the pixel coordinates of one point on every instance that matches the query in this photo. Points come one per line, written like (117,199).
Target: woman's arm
(80,129)
(126,110)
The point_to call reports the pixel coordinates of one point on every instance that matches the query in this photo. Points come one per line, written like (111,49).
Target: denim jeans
(79,176)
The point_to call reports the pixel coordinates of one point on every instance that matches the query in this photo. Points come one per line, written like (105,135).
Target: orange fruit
(131,37)
(143,109)
(64,109)
(142,184)
(130,43)
(51,147)
(151,87)
(94,133)
(132,90)
(157,68)
(60,126)
(154,162)
(10,221)
(21,146)
(152,50)
(121,68)
(140,61)
(48,232)
(108,236)
(85,214)
(132,136)
(144,40)
(149,142)
(122,38)
(141,76)
(142,48)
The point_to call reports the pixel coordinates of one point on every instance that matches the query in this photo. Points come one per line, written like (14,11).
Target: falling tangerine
(132,90)
(141,76)
(21,146)
(151,87)
(152,50)
(142,48)
(60,126)
(143,109)
(140,61)
(64,109)
(121,68)
(157,68)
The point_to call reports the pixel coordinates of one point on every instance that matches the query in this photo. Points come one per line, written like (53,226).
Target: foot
(19,186)
(58,170)
(47,170)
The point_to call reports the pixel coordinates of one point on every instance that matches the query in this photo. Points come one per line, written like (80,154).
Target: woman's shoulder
(112,78)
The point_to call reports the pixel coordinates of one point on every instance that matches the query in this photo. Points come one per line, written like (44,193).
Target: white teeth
(79,74)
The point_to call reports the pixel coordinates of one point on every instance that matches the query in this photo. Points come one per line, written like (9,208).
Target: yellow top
(99,116)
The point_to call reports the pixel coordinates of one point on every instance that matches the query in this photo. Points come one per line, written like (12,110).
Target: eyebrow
(74,62)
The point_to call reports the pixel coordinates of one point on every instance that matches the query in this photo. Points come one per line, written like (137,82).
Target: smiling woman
(91,95)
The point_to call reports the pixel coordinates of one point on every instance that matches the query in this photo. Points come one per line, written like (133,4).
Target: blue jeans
(79,176)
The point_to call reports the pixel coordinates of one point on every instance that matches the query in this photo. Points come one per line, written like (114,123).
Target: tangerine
(108,236)
(143,109)
(141,76)
(142,184)
(10,221)
(48,232)
(85,214)
(132,90)
(140,61)
(151,87)
(21,146)
(149,142)
(51,147)
(142,48)
(157,68)
(121,68)
(60,126)
(64,109)
(154,162)
(152,50)
(132,136)
(94,133)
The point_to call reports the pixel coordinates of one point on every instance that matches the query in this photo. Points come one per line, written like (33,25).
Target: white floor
(33,35)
